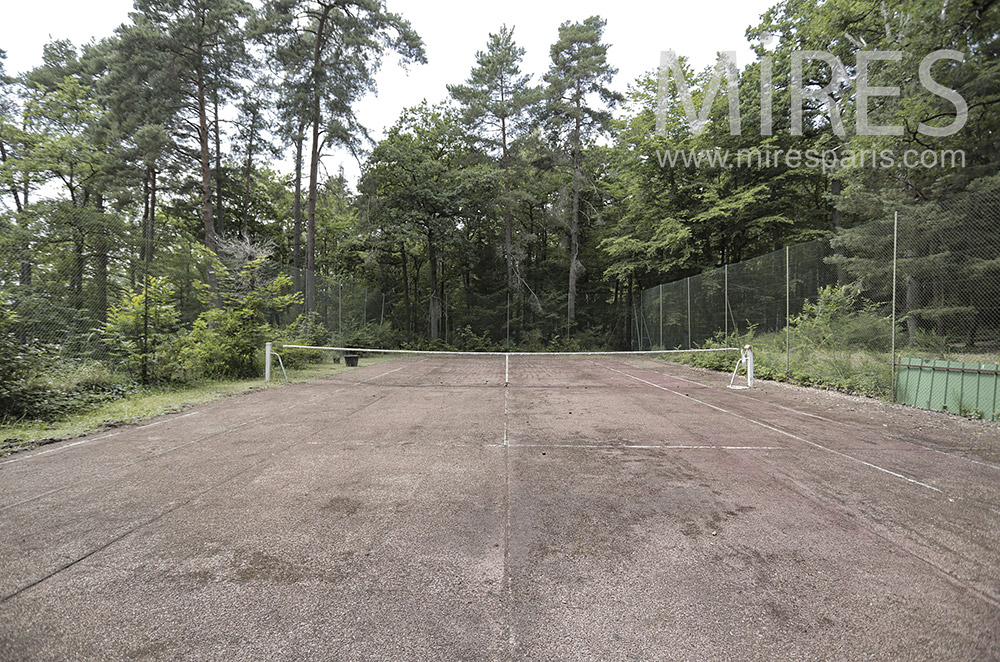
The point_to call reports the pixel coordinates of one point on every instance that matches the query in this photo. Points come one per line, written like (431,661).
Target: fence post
(638,324)
(895,239)
(689,310)
(725,303)
(788,290)
(661,315)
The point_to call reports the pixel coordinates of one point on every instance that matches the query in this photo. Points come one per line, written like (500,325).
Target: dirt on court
(593,509)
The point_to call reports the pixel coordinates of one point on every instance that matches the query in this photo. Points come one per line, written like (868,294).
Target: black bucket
(351,360)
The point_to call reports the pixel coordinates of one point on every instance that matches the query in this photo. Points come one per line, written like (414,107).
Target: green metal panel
(968,389)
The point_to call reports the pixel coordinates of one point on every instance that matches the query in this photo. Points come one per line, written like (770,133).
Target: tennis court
(432,507)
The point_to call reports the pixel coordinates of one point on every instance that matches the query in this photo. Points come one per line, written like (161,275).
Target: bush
(844,369)
(838,319)
(382,336)
(140,332)
(17,363)
(35,384)
(227,340)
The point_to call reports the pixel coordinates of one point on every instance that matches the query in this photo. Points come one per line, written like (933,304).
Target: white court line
(506,409)
(62,447)
(831,420)
(173,448)
(668,375)
(87,441)
(891,436)
(679,447)
(787,434)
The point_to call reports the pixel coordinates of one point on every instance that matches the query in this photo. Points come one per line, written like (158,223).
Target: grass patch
(848,369)
(147,403)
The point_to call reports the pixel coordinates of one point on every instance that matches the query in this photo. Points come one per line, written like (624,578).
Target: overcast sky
(452,30)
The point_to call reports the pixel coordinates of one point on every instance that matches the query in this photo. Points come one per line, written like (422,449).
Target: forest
(151,230)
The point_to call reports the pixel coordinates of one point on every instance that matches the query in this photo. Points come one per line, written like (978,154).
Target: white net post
(267,362)
(746,359)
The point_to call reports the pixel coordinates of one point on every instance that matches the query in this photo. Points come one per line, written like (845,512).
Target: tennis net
(406,367)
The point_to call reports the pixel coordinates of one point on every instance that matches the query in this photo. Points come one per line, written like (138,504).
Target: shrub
(140,332)
(227,340)
(35,384)
(838,319)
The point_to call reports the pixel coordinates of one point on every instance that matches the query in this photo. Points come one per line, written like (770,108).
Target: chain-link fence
(342,309)
(923,283)
(67,272)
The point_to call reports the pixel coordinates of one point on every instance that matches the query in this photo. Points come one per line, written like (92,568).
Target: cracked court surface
(595,508)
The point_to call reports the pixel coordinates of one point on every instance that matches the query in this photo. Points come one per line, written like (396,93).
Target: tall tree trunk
(247,176)
(300,138)
(152,214)
(434,311)
(220,218)
(320,37)
(25,275)
(101,270)
(574,242)
(13,187)
(913,296)
(508,222)
(76,277)
(574,227)
(206,178)
(406,290)
(311,217)
(836,217)
(144,247)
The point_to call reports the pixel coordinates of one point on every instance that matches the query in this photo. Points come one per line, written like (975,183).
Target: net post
(749,350)
(267,362)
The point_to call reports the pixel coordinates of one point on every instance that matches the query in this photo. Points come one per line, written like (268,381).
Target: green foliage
(838,319)
(111,166)
(141,327)
(18,361)
(227,341)
(36,384)
(467,340)
(307,329)
(373,335)
(834,366)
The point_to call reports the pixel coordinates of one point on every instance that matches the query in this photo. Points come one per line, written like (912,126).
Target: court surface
(595,509)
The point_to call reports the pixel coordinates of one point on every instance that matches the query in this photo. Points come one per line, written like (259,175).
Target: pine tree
(495,99)
(578,99)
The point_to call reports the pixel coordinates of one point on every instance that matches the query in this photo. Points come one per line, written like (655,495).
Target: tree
(16,181)
(494,100)
(340,44)
(578,99)
(196,43)
(253,129)
(427,183)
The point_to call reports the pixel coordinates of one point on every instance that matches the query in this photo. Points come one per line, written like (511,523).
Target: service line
(782,432)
